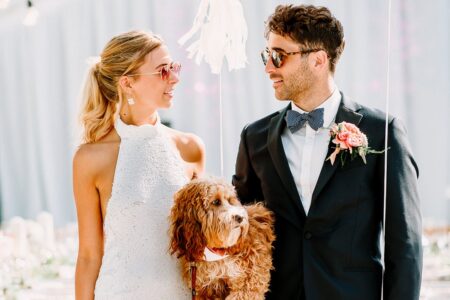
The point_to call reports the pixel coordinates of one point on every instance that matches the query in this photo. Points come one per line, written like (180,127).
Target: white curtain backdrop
(42,67)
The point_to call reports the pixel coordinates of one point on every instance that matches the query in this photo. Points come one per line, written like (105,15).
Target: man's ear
(320,59)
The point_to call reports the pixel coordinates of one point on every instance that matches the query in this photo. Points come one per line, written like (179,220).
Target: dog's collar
(209,255)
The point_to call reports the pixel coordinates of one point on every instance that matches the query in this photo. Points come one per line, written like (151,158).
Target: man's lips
(170,93)
(277,83)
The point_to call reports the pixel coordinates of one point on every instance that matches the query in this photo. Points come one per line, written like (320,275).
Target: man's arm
(403,244)
(245,181)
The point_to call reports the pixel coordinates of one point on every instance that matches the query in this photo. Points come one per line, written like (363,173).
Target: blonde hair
(102,94)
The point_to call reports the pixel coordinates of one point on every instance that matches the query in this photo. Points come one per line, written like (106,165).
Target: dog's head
(206,213)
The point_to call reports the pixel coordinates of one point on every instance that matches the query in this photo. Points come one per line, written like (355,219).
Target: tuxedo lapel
(275,147)
(346,112)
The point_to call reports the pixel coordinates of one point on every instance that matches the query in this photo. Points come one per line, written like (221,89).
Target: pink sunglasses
(173,67)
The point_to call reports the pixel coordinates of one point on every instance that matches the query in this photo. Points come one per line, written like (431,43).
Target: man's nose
(269,68)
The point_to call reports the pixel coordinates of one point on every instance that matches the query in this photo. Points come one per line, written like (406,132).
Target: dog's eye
(217,202)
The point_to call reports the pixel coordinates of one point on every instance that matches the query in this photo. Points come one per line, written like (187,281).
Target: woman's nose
(174,77)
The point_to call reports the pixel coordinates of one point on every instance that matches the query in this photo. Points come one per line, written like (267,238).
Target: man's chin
(280,96)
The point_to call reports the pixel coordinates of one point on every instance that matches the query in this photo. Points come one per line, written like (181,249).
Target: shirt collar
(330,107)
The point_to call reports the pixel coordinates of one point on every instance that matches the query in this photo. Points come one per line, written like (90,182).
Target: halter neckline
(141,131)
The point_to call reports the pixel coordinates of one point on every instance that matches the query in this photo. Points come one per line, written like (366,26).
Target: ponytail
(97,114)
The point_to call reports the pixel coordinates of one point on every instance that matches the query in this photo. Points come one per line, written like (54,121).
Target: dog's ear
(186,235)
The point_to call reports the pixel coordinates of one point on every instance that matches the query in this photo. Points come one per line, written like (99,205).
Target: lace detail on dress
(136,263)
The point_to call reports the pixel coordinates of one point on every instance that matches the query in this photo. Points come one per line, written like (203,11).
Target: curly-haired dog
(228,246)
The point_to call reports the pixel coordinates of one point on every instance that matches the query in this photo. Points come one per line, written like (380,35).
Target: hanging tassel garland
(223,33)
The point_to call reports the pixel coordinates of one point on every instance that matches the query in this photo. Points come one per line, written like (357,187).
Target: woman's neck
(138,117)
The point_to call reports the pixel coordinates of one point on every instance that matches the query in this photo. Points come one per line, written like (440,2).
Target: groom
(329,217)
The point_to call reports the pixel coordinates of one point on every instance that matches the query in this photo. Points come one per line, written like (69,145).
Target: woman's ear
(125,85)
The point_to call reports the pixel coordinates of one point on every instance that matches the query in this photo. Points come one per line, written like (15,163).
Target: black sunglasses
(278,56)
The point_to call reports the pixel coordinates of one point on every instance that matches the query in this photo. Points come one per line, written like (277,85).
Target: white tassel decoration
(223,33)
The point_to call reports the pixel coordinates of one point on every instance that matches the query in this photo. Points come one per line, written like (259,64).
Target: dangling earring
(130,101)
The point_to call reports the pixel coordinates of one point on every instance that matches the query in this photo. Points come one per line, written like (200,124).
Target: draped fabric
(42,67)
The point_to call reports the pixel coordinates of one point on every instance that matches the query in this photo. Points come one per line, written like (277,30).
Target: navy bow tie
(296,120)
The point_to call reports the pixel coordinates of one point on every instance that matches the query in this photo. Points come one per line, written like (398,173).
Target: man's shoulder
(370,114)
(373,121)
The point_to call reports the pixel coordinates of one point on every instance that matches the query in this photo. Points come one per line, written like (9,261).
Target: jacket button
(308,235)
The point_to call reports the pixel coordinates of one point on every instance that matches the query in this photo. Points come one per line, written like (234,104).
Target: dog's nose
(238,218)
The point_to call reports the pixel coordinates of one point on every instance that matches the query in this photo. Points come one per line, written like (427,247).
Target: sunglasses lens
(165,73)
(265,56)
(277,59)
(172,68)
(175,68)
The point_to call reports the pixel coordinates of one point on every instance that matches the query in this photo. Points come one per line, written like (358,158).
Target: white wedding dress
(136,263)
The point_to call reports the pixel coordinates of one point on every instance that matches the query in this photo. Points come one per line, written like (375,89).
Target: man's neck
(317,95)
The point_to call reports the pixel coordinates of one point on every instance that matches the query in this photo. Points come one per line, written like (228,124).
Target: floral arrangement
(37,259)
(350,142)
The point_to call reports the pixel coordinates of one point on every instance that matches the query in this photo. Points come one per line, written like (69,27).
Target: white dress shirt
(306,149)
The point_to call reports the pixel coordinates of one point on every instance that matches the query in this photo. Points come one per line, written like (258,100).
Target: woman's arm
(192,151)
(90,230)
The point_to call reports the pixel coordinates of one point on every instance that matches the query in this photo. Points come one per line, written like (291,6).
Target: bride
(126,171)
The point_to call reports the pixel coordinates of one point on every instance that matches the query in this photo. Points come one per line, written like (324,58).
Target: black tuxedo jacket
(334,251)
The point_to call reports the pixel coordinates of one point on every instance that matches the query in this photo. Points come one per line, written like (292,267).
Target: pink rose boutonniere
(349,141)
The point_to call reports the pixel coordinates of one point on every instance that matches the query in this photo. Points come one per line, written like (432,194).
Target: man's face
(294,78)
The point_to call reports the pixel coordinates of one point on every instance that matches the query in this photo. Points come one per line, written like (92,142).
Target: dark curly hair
(311,26)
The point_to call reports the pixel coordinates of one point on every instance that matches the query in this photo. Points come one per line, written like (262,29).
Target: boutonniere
(350,142)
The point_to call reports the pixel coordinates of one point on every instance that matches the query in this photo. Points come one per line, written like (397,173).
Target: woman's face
(149,90)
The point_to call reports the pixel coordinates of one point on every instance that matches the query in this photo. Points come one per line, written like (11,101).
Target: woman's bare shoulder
(92,157)
(191,146)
